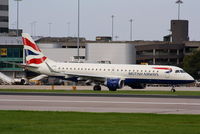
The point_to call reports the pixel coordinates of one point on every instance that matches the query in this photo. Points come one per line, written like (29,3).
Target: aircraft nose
(190,78)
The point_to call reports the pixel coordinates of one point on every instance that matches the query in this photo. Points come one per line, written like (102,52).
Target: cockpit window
(182,71)
(179,71)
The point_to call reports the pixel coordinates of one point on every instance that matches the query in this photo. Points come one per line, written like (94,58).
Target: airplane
(113,76)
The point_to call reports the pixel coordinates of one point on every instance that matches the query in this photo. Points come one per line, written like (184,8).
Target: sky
(58,18)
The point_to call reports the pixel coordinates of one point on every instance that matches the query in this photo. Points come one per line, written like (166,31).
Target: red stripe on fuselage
(29,43)
(36,61)
(162,68)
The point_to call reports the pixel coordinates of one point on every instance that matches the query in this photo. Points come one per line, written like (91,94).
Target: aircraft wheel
(22,82)
(97,88)
(173,90)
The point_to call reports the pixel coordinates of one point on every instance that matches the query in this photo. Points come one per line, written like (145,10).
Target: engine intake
(114,84)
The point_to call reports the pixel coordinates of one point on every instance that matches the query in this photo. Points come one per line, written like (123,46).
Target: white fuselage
(138,73)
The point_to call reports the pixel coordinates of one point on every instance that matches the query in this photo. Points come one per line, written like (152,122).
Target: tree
(191,64)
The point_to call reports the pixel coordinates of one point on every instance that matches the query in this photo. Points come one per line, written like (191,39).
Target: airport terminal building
(11,51)
(4,19)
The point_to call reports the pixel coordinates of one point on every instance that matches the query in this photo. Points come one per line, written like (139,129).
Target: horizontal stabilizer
(21,65)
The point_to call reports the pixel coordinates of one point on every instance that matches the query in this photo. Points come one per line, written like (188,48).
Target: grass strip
(142,92)
(29,122)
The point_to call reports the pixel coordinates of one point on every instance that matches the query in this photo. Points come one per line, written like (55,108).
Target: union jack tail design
(32,51)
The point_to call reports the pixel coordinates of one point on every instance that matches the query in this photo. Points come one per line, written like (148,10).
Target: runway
(101,104)
(38,87)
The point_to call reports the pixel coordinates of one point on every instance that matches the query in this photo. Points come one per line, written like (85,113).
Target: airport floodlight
(179,2)
(17,18)
(68,28)
(33,28)
(112,26)
(131,29)
(50,28)
(78,38)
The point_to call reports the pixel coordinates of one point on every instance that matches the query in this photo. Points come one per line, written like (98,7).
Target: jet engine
(114,84)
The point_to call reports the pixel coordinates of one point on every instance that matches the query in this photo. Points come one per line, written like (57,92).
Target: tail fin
(32,52)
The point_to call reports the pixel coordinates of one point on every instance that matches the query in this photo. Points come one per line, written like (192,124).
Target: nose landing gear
(173,89)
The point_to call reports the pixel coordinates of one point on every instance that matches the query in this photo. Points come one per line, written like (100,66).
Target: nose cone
(190,79)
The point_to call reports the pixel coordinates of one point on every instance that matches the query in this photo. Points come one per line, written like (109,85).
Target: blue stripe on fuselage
(157,81)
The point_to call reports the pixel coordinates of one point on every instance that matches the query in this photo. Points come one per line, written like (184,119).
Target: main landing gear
(97,88)
(173,89)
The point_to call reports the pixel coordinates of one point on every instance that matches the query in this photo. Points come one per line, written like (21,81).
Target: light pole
(179,2)
(18,18)
(78,38)
(131,29)
(112,26)
(33,28)
(68,28)
(50,28)
(31,24)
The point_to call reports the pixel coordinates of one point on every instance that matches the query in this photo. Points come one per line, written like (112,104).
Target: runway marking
(104,102)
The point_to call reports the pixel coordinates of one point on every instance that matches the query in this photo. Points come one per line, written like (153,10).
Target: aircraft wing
(86,76)
(93,77)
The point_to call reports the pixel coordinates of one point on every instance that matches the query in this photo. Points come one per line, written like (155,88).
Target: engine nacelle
(114,84)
